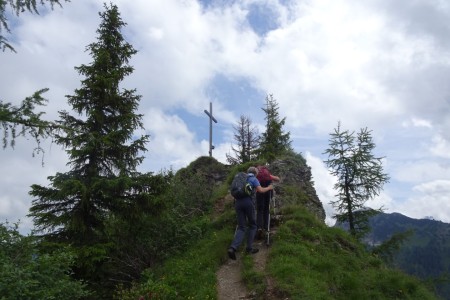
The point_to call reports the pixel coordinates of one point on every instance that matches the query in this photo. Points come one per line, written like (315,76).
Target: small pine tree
(246,137)
(274,141)
(359,175)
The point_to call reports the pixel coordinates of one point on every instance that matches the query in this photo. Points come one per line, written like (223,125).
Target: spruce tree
(274,141)
(359,174)
(103,154)
(246,137)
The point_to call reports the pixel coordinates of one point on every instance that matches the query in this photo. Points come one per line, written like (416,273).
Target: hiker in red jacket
(263,200)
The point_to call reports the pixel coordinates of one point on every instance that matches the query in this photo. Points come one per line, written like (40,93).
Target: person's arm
(275,178)
(261,189)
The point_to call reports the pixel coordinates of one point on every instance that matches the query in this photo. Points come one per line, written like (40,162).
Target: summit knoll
(305,260)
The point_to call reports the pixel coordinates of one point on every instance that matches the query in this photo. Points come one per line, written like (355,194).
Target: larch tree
(18,7)
(247,139)
(274,141)
(359,175)
(103,154)
(23,120)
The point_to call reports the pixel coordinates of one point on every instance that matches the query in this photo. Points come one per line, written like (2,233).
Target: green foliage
(103,185)
(307,260)
(26,272)
(274,141)
(193,249)
(254,280)
(24,121)
(247,140)
(180,276)
(293,195)
(296,158)
(390,247)
(19,6)
(182,220)
(193,194)
(424,248)
(103,160)
(359,176)
(311,261)
(195,186)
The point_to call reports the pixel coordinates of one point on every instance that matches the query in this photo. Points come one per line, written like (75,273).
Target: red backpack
(263,175)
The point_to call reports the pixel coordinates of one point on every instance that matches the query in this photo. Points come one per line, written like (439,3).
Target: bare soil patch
(230,285)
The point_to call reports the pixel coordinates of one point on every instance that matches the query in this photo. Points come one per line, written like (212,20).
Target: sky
(380,64)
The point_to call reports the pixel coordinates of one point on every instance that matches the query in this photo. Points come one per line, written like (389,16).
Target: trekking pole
(271,207)
(237,224)
(268,221)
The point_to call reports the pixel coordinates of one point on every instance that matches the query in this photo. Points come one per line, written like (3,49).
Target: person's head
(252,170)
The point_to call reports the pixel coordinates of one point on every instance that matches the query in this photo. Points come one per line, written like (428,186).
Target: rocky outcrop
(296,186)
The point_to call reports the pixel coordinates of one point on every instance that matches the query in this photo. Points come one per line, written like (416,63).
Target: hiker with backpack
(265,178)
(242,189)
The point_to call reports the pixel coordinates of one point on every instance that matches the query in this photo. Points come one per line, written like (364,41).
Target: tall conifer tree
(103,153)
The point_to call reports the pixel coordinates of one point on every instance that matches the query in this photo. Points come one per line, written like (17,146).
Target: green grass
(191,274)
(307,260)
(254,280)
(311,261)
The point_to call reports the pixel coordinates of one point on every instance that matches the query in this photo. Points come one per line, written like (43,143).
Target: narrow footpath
(229,280)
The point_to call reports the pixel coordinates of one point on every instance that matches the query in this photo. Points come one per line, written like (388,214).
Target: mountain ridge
(424,254)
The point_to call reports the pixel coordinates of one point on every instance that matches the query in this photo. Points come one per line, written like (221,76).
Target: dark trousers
(262,209)
(245,212)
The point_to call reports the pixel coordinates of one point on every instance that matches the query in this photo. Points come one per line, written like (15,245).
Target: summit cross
(211,118)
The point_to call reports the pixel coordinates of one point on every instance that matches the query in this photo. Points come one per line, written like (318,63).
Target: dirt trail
(230,285)
(229,281)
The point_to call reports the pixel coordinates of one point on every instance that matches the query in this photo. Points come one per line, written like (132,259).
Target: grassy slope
(311,261)
(308,260)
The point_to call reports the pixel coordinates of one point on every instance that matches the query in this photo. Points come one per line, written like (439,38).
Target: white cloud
(170,140)
(416,122)
(323,183)
(422,171)
(19,171)
(429,199)
(440,147)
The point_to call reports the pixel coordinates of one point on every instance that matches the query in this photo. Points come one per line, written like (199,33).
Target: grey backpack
(240,187)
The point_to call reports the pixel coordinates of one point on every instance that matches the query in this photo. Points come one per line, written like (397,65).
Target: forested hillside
(425,253)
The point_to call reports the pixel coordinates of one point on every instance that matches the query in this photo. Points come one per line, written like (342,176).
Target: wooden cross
(211,118)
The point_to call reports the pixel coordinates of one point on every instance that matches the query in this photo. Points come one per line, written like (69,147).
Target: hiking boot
(232,253)
(252,251)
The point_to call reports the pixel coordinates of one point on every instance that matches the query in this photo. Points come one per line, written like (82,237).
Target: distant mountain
(425,254)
